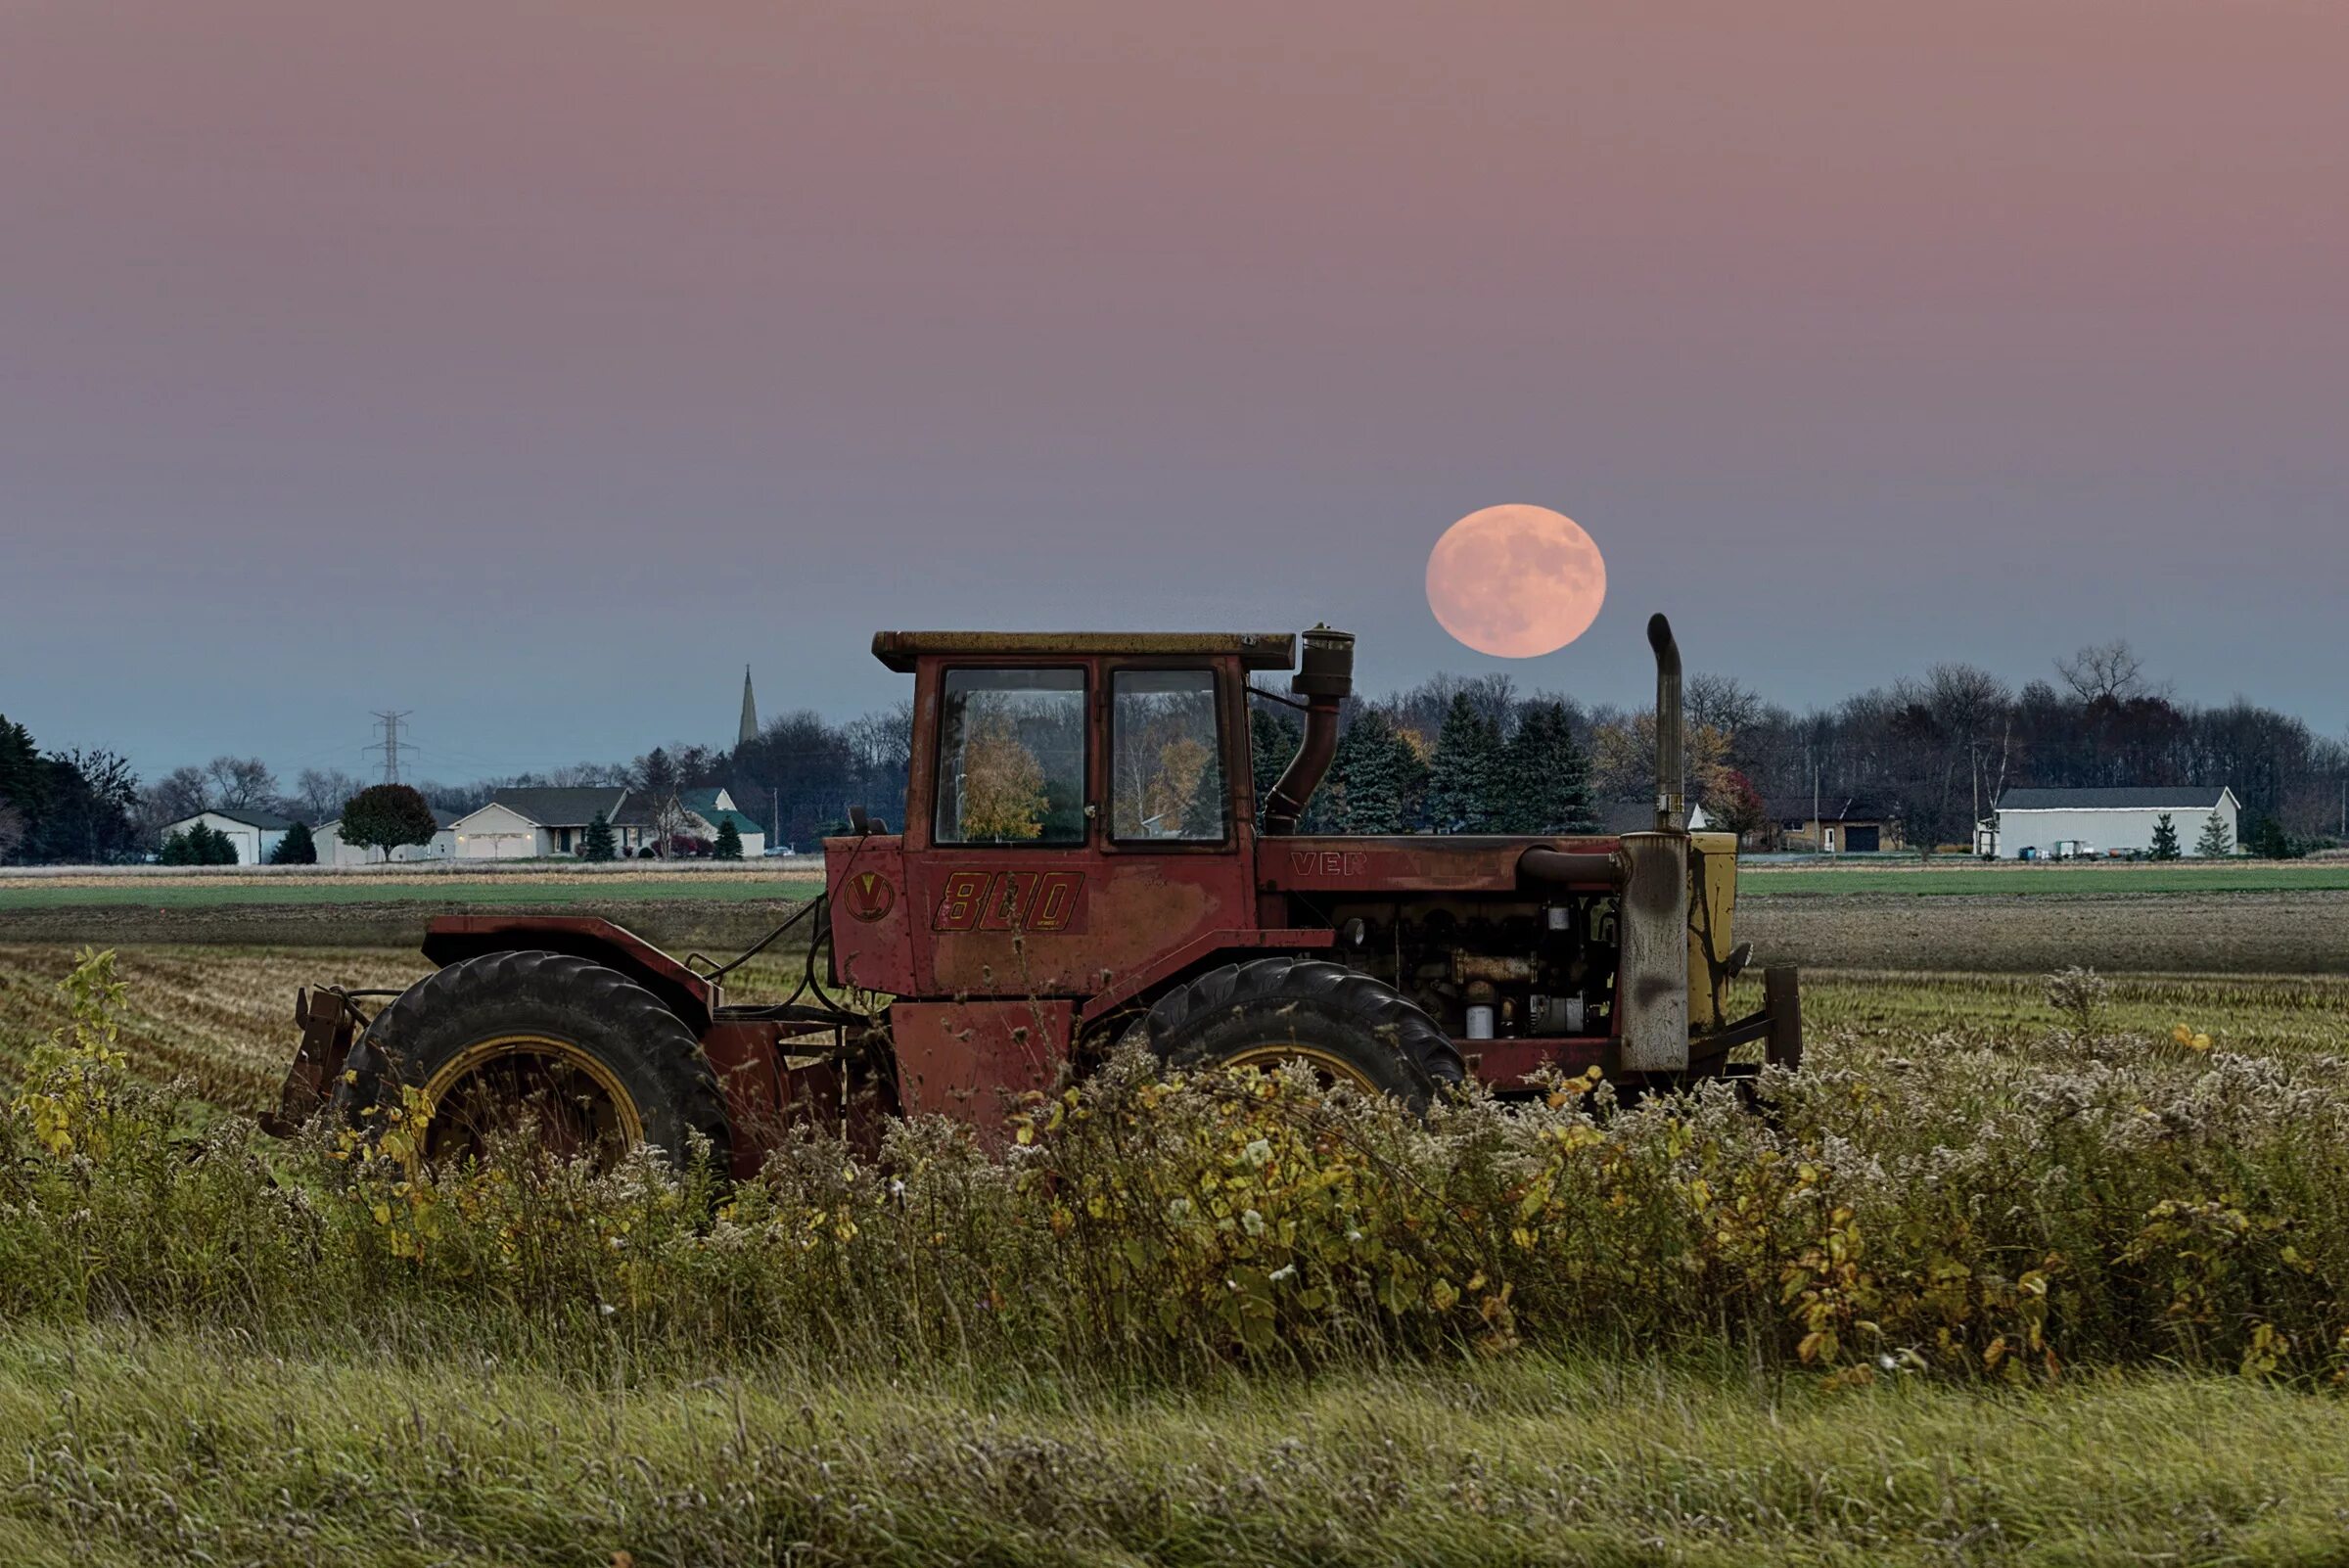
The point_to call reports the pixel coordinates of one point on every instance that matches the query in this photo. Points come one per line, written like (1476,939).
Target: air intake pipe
(1672,799)
(1325,678)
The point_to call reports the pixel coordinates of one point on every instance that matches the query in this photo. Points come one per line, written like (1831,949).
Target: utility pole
(1819,831)
(389,724)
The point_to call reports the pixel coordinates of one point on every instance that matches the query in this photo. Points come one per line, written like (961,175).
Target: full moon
(1516,581)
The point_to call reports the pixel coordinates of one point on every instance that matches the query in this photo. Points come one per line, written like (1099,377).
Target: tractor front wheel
(1348,1026)
(576,1055)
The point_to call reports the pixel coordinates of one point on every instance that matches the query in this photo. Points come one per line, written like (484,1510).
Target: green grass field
(2074,881)
(137,1447)
(196,893)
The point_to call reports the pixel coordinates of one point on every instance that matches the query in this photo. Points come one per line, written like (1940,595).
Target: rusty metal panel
(872,917)
(1413,863)
(1651,990)
(1256,650)
(1503,1065)
(1069,922)
(969,1060)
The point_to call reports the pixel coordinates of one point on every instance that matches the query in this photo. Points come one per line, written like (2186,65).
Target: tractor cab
(1082,823)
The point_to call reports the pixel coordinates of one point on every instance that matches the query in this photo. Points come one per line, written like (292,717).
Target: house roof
(701,802)
(554,808)
(250,816)
(2152,798)
(1832,809)
(716,815)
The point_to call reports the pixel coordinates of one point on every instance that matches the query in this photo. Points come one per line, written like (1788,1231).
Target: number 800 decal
(1008,900)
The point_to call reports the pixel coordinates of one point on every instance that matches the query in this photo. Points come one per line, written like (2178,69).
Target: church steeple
(750,711)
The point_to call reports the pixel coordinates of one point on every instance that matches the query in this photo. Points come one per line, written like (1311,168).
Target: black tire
(644,1050)
(1338,1018)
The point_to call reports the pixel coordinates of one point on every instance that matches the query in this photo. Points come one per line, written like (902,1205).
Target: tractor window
(1011,757)
(1166,758)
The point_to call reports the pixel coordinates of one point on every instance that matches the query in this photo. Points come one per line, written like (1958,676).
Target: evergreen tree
(2268,841)
(2165,839)
(1273,739)
(2215,841)
(601,846)
(1462,783)
(210,847)
(176,850)
(297,847)
(1366,776)
(1544,779)
(730,839)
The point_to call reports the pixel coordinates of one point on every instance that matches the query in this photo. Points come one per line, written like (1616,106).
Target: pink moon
(1516,581)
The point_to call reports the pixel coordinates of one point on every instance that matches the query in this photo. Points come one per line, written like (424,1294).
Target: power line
(389,724)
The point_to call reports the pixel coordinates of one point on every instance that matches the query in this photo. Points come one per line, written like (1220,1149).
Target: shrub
(1968,1213)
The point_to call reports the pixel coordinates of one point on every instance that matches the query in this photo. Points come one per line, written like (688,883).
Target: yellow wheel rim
(1330,1067)
(544,1060)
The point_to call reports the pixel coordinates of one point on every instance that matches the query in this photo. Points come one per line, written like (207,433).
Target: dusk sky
(535,366)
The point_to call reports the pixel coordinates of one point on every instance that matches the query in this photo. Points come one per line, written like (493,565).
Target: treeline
(1449,754)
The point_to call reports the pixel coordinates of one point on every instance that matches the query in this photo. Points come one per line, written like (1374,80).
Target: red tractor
(1086,862)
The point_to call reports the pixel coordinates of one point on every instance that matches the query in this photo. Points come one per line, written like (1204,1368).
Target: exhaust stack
(1325,678)
(1672,798)
(1652,990)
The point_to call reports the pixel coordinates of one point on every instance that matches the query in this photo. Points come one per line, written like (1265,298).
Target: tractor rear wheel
(1346,1026)
(579,1055)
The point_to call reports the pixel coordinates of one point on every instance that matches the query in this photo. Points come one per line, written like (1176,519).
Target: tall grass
(1958,1209)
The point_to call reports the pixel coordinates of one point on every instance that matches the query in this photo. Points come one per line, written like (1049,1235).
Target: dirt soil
(2304,932)
(2233,933)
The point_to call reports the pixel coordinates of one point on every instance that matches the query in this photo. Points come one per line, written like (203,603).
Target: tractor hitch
(329,1021)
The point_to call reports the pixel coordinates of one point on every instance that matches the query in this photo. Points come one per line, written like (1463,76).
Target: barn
(254,833)
(2073,824)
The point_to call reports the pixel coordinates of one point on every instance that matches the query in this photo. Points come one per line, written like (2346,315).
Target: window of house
(1011,757)
(1166,757)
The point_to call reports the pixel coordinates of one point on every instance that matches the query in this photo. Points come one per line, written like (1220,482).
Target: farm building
(2060,824)
(709,807)
(254,833)
(1833,825)
(521,825)
(332,850)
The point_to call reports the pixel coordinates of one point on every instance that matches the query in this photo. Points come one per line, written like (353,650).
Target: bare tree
(2109,670)
(236,782)
(1722,703)
(321,792)
(12,829)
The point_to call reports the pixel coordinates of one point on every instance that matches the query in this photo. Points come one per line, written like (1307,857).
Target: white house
(2059,825)
(535,823)
(254,833)
(332,850)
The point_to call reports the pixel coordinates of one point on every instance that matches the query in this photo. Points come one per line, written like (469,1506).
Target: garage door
(498,845)
(1861,840)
